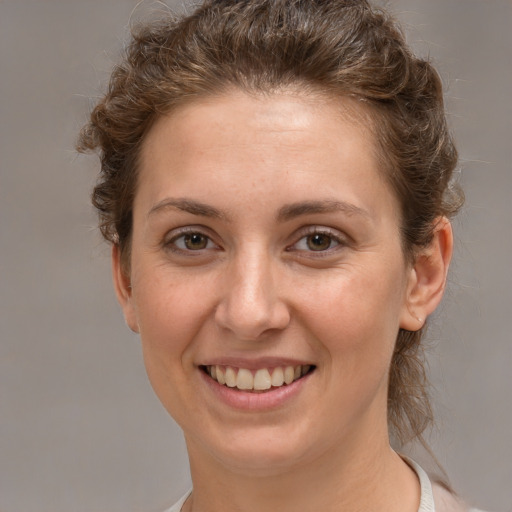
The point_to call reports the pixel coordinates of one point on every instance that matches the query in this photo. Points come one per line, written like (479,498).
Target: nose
(251,304)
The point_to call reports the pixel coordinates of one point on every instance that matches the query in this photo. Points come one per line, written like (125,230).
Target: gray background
(80,429)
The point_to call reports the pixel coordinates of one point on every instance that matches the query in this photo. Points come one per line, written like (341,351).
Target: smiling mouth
(261,380)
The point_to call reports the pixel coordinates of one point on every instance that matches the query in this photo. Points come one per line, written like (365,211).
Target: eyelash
(333,238)
(171,244)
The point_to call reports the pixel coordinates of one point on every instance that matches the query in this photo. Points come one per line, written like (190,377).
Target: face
(266,252)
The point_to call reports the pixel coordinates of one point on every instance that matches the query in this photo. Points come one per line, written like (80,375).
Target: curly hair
(337,47)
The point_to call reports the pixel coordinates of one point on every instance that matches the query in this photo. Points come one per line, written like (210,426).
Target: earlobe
(123,289)
(427,278)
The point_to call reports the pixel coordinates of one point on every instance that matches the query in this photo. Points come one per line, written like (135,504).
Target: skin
(253,288)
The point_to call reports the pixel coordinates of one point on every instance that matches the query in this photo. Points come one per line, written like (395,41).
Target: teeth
(221,376)
(278,377)
(289,374)
(244,379)
(261,380)
(230,377)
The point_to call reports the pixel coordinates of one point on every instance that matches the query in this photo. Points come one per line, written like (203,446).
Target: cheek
(171,309)
(170,313)
(356,332)
(355,318)
(353,300)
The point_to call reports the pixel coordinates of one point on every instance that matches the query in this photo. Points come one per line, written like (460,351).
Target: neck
(364,476)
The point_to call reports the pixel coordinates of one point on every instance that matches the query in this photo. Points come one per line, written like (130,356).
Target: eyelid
(339,237)
(175,234)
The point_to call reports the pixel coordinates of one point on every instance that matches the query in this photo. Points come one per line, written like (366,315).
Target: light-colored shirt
(432,498)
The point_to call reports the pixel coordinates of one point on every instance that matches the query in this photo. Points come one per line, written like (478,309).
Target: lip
(250,401)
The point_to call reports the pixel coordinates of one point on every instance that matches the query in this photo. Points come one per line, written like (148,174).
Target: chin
(262,451)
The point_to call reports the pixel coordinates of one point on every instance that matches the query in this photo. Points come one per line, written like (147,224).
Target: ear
(427,278)
(123,289)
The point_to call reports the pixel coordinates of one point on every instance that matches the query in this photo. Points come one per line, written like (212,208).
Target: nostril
(249,320)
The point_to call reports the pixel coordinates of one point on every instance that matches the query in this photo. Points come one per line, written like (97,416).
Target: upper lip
(254,363)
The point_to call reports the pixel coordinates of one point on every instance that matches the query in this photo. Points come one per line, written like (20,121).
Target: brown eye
(190,243)
(195,241)
(319,242)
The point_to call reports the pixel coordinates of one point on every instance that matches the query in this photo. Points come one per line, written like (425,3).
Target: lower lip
(245,400)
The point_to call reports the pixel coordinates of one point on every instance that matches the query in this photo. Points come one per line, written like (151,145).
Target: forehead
(290,139)
(285,109)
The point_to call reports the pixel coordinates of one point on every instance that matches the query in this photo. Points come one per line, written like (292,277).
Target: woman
(276,184)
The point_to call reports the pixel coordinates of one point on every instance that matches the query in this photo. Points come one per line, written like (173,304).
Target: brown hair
(338,47)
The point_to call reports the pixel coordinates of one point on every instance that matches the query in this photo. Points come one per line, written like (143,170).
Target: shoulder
(177,506)
(445,501)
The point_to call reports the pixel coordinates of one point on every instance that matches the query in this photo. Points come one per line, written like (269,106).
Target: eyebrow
(286,213)
(291,211)
(189,206)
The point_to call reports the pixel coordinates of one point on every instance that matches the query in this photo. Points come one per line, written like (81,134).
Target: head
(343,49)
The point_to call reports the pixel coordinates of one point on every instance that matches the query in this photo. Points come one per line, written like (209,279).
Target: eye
(190,241)
(320,242)
(193,241)
(317,241)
